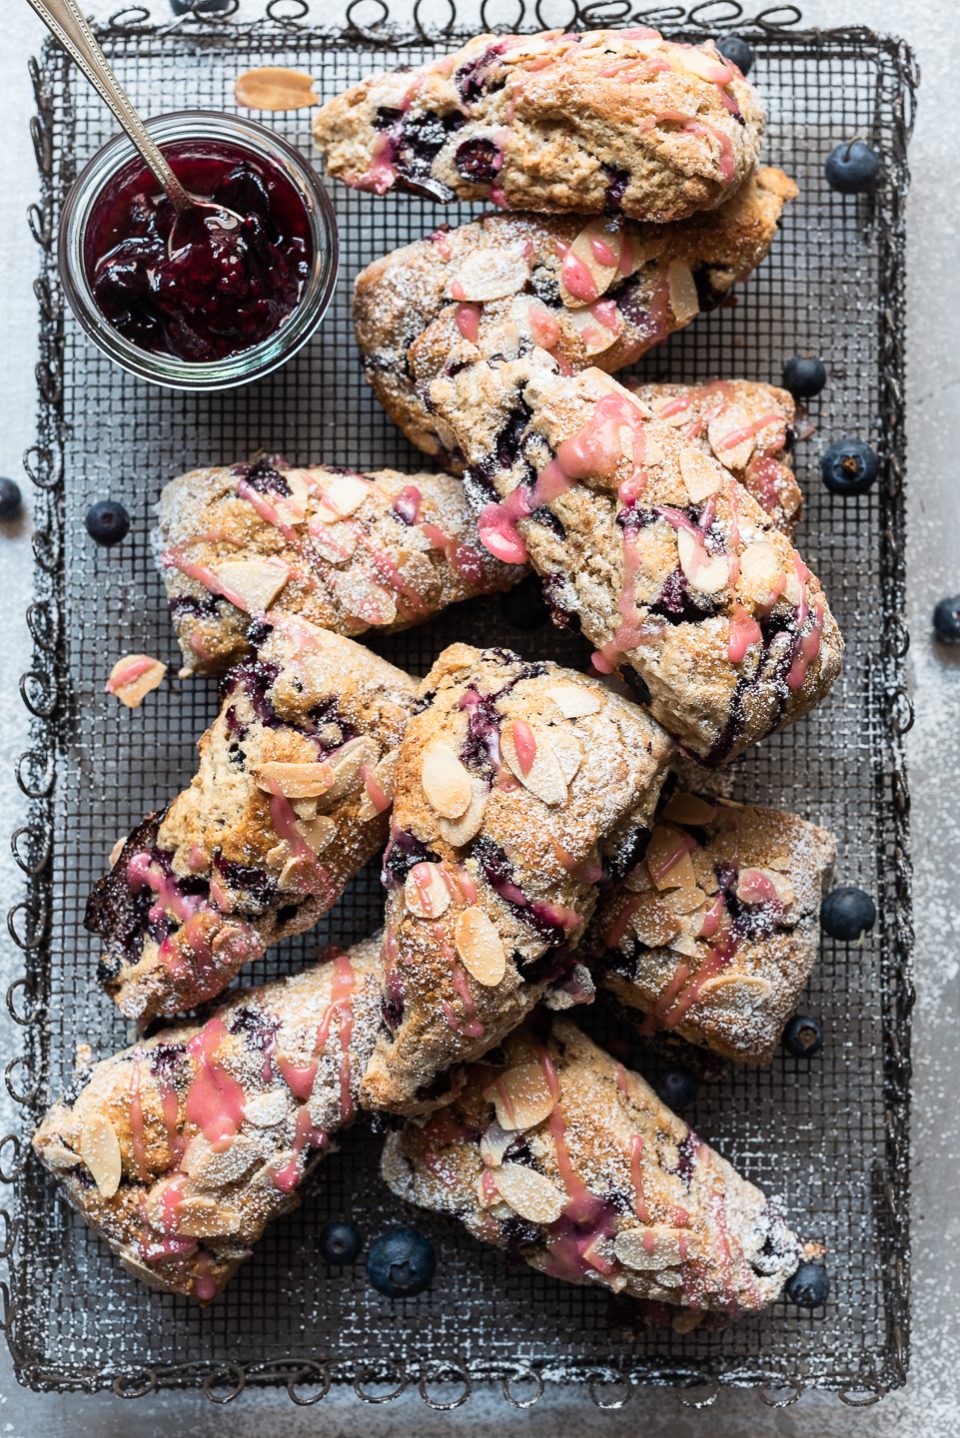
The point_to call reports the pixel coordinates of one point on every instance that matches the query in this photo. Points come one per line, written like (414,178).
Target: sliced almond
(668,859)
(702,64)
(731,436)
(100,1151)
(793,589)
(297,875)
(460,831)
(133,677)
(489,275)
(650,1248)
(480,946)
(701,474)
(252,584)
(294,780)
(569,751)
(690,809)
(305,809)
(686,944)
(203,1217)
(522,1097)
(494,1143)
(319,833)
(446,782)
(593,259)
(708,573)
(425,892)
(341,495)
(383,776)
(334,540)
(683,292)
(653,925)
(764,886)
(753,985)
(638,881)
(544,778)
(346,763)
(57,1156)
(215,1168)
(266,1110)
(575,701)
(274,87)
(530,1194)
(761,573)
(593,334)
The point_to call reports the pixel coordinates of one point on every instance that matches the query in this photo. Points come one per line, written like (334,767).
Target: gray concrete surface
(929,1406)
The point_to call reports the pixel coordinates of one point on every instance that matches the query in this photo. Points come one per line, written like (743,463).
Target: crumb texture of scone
(290,799)
(598,291)
(569,1161)
(181,1149)
(646,543)
(605,122)
(519,787)
(714,933)
(346,551)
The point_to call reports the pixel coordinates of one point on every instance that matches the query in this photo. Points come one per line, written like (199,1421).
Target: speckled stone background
(929,1406)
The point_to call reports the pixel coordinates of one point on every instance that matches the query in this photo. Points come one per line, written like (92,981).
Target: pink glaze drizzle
(215,1100)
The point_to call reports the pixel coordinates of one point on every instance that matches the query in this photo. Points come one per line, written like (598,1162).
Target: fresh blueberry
(852,168)
(946,620)
(803,1037)
(524,606)
(10,499)
(676,1088)
(849,467)
(340,1242)
(809,1287)
(401,1263)
(731,47)
(847,914)
(804,377)
(201,7)
(107,522)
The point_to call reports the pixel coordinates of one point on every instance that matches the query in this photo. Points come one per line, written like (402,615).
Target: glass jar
(248,364)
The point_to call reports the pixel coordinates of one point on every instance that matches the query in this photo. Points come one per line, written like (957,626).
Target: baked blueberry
(946,620)
(731,47)
(849,467)
(804,376)
(809,1287)
(401,1263)
(340,1242)
(803,1037)
(847,913)
(852,168)
(524,606)
(11,500)
(676,1087)
(107,522)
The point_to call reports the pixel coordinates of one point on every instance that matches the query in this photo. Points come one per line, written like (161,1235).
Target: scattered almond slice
(707,573)
(265,1110)
(335,540)
(684,901)
(425,893)
(762,576)
(689,809)
(446,782)
(653,925)
(341,495)
(704,66)
(494,1143)
(251,584)
(758,886)
(638,881)
(296,875)
(529,1193)
(683,291)
(319,833)
(384,778)
(701,474)
(522,1097)
(668,859)
(544,776)
(569,751)
(793,589)
(460,831)
(686,944)
(575,701)
(651,1248)
(731,436)
(594,335)
(480,946)
(100,1151)
(117,850)
(132,678)
(761,988)
(305,780)
(597,249)
(58,1156)
(346,764)
(274,87)
(204,1217)
(305,809)
(484,276)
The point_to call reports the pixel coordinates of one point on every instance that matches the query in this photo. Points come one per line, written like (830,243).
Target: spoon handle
(65,21)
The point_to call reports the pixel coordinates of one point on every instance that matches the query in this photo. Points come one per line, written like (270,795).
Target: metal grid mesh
(827,1138)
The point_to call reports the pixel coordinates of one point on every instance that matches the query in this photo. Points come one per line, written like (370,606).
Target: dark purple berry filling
(478,161)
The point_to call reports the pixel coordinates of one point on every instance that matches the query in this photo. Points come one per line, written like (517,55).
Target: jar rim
(248,364)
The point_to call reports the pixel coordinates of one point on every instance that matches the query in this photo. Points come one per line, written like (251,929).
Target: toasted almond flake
(384,777)
(100,1151)
(569,751)
(274,87)
(758,988)
(544,778)
(133,677)
(117,850)
(265,1110)
(593,334)
(460,831)
(58,1156)
(687,1320)
(529,1193)
(341,494)
(446,783)
(483,276)
(335,540)
(596,235)
(522,1097)
(734,422)
(346,763)
(686,808)
(480,946)
(761,572)
(318,833)
(702,64)
(425,892)
(296,875)
(793,589)
(373,604)
(670,412)
(707,573)
(213,1168)
(650,1248)
(686,944)
(305,809)
(653,925)
(683,292)
(252,583)
(701,474)
(494,1144)
(668,859)
(638,881)
(294,780)
(685,901)
(575,701)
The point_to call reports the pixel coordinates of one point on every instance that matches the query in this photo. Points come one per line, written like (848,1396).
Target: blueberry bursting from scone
(610,121)
(561,1156)
(519,787)
(291,798)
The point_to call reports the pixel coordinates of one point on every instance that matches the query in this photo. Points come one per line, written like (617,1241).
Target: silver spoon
(66,23)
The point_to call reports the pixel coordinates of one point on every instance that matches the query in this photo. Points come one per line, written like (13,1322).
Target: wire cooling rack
(828,1138)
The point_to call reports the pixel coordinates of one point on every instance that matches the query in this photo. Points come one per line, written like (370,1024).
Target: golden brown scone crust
(570,1161)
(547,778)
(618,121)
(244,857)
(509,273)
(348,552)
(714,933)
(181,1149)
(671,569)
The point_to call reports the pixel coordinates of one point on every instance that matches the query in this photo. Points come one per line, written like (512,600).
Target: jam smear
(225,287)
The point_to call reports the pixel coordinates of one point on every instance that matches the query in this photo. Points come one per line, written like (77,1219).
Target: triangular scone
(512,781)
(649,545)
(500,284)
(714,933)
(568,1160)
(181,1149)
(604,122)
(348,552)
(290,800)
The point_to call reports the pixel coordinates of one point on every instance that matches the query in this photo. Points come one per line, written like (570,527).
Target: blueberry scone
(715,931)
(606,122)
(591,292)
(290,800)
(568,1160)
(517,786)
(348,552)
(645,542)
(181,1149)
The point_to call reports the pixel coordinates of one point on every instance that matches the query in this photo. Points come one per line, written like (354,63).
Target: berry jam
(224,288)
